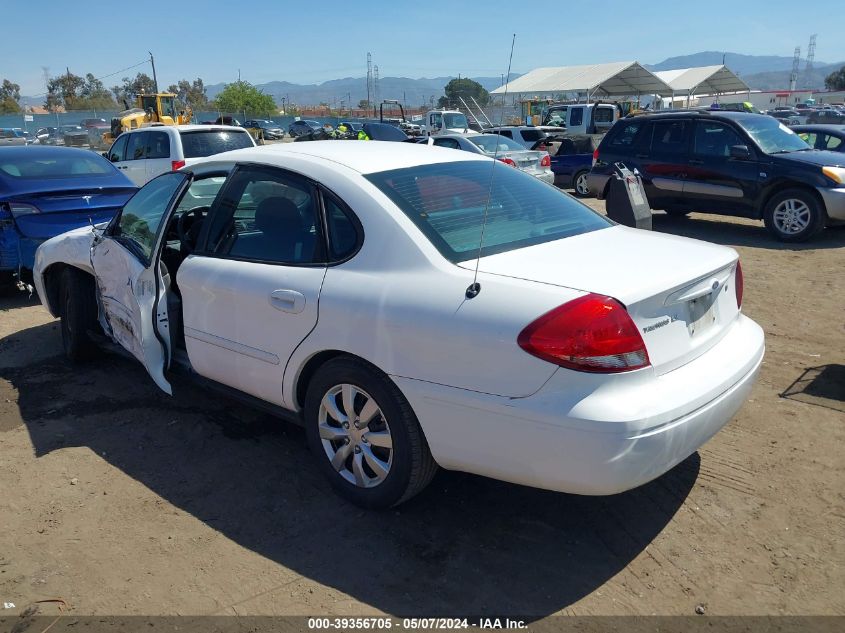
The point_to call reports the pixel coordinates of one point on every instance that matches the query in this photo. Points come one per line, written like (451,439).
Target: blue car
(45,191)
(571,162)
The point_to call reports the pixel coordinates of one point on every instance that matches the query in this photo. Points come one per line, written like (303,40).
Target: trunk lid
(679,292)
(67,209)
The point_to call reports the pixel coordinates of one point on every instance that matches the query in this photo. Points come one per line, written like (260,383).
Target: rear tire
(580,185)
(794,215)
(78,311)
(394,464)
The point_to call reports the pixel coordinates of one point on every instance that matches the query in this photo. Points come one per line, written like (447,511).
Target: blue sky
(309,44)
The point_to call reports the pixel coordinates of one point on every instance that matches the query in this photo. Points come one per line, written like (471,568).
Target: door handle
(695,161)
(288,301)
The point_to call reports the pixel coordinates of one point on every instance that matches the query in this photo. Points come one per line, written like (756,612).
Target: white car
(335,282)
(147,152)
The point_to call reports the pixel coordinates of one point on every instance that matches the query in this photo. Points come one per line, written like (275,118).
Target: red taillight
(508,161)
(595,154)
(739,284)
(592,333)
(177,164)
(546,161)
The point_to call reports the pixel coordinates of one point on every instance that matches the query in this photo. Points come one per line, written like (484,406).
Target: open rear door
(130,285)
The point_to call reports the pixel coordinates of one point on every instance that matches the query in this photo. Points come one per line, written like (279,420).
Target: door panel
(159,159)
(662,153)
(130,286)
(243,320)
(251,297)
(714,181)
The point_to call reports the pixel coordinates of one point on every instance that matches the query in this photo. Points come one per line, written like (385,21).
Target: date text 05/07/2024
(413,624)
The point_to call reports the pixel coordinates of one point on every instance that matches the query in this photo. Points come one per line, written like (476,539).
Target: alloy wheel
(792,216)
(581,185)
(355,435)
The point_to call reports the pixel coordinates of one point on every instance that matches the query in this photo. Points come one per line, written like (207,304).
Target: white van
(147,152)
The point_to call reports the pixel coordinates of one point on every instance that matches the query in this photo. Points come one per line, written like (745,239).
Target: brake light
(595,155)
(593,333)
(546,161)
(508,161)
(739,284)
(177,164)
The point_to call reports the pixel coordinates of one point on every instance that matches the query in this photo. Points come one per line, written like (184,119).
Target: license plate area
(702,313)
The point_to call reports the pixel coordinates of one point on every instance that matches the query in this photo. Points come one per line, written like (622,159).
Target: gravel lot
(121,500)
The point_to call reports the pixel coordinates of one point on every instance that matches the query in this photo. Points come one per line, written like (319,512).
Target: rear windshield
(533,135)
(205,143)
(64,167)
(447,202)
(489,143)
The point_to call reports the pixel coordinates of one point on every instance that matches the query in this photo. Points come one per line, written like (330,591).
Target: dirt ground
(122,500)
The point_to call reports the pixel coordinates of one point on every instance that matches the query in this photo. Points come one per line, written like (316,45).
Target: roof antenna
(474,288)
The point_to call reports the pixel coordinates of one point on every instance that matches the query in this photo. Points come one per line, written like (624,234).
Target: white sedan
(336,284)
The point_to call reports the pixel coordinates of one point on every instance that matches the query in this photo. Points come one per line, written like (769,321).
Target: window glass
(62,166)
(447,142)
(714,139)
(576,116)
(207,142)
(269,216)
(490,142)
(809,138)
(117,148)
(669,137)
(343,235)
(506,133)
(532,135)
(141,217)
(448,203)
(136,147)
(201,193)
(158,145)
(832,142)
(603,115)
(625,137)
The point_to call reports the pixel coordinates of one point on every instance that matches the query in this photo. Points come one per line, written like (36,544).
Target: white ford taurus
(335,282)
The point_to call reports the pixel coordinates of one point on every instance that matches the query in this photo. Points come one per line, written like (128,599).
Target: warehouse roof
(615,78)
(703,80)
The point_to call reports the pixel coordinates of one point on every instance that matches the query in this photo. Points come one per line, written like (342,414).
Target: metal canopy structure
(710,80)
(612,79)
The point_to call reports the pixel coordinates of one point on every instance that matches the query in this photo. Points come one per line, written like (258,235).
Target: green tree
(242,96)
(192,93)
(93,95)
(465,88)
(131,87)
(78,93)
(10,95)
(835,80)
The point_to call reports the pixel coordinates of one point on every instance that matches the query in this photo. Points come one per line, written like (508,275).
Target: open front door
(130,285)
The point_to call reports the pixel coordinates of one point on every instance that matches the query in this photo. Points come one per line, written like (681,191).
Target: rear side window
(200,143)
(343,229)
(158,145)
(576,116)
(448,202)
(533,135)
(627,134)
(603,115)
(670,137)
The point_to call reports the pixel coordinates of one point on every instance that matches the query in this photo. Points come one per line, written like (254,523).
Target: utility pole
(155,79)
(369,79)
(808,69)
(796,61)
(376,94)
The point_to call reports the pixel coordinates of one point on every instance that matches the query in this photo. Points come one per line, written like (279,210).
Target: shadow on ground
(823,386)
(466,545)
(713,229)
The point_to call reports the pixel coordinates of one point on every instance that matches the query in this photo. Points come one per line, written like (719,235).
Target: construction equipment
(162,108)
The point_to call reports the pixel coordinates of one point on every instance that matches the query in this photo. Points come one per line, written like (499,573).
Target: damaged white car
(336,284)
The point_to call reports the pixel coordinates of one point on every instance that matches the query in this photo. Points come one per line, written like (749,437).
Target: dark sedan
(829,137)
(271,130)
(298,128)
(45,191)
(74,135)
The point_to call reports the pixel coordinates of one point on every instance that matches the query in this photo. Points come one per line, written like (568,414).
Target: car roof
(365,157)
(188,127)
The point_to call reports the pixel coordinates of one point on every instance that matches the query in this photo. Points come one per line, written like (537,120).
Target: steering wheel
(189,231)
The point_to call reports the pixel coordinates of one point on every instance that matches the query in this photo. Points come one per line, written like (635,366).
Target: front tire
(78,312)
(365,436)
(794,215)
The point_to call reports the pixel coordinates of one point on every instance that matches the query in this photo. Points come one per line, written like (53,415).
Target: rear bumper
(597,184)
(834,202)
(545,176)
(587,435)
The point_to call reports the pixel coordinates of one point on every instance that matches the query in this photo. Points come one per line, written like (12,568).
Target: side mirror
(740,152)
(105,155)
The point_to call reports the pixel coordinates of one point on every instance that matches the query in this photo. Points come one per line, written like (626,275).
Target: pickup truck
(582,118)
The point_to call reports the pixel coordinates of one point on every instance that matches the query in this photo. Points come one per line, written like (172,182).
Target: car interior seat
(281,234)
